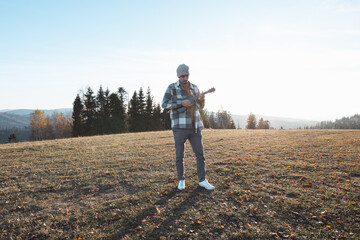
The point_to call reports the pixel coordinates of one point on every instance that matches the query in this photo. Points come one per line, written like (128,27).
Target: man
(186,123)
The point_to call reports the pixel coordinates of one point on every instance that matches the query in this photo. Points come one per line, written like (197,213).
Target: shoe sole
(207,189)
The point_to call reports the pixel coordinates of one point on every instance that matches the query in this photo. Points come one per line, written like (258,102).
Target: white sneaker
(181,185)
(205,184)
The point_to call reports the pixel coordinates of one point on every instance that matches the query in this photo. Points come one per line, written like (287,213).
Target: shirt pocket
(180,94)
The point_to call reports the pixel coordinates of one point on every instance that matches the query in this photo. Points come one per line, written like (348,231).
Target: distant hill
(20,118)
(30,111)
(9,120)
(276,122)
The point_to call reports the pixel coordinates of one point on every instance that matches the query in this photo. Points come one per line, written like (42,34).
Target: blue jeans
(195,139)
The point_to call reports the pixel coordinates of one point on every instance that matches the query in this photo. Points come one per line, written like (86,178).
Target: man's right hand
(186,103)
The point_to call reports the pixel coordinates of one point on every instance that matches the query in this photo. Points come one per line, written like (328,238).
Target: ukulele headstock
(210,90)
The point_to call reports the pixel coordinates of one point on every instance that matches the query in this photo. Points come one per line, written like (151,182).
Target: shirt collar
(178,84)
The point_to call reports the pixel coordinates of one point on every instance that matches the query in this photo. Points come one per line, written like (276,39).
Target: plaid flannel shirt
(173,96)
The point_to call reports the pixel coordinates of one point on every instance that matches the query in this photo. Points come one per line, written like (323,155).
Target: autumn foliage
(45,128)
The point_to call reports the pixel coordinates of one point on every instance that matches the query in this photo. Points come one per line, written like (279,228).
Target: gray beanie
(182,70)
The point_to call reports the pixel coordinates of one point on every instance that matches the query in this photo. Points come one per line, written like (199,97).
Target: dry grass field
(270,184)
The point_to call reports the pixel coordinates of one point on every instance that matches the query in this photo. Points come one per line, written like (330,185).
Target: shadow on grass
(131,224)
(189,202)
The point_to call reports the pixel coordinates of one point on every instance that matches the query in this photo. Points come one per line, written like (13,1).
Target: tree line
(111,113)
(221,120)
(352,122)
(108,113)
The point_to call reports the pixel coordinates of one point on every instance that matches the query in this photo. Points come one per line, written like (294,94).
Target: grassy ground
(291,184)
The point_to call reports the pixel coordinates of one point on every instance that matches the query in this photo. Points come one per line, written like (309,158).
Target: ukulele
(193,100)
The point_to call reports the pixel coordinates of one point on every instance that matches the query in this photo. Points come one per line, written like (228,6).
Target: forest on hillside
(352,122)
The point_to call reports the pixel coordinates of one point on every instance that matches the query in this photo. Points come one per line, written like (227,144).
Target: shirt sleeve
(170,100)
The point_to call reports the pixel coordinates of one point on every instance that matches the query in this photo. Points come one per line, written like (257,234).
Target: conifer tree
(100,111)
(89,113)
(122,94)
(100,99)
(212,121)
(77,116)
(107,103)
(149,111)
(117,115)
(165,119)
(141,121)
(157,123)
(13,138)
(224,119)
(232,124)
(266,124)
(261,124)
(134,113)
(106,113)
(123,115)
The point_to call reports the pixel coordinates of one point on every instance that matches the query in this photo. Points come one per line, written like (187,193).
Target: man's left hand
(202,96)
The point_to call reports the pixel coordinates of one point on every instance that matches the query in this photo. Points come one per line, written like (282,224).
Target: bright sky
(298,59)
